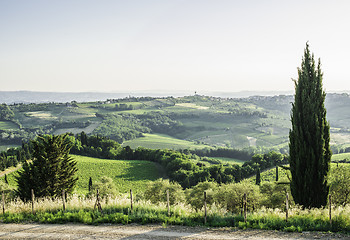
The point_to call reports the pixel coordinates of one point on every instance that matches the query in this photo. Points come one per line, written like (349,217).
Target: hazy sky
(199,45)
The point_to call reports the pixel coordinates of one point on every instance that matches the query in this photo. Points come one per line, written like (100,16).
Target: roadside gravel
(157,232)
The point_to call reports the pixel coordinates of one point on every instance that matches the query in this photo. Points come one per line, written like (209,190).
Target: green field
(270,174)
(8,125)
(156,141)
(5,147)
(340,156)
(126,174)
(230,160)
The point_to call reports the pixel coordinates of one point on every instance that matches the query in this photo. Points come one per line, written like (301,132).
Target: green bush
(156,192)
(195,195)
(231,196)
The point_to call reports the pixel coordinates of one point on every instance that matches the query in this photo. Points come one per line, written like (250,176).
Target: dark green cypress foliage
(309,137)
(257,178)
(276,173)
(6,181)
(90,184)
(51,171)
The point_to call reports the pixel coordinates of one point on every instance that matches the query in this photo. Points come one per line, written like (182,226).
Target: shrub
(156,192)
(195,195)
(231,195)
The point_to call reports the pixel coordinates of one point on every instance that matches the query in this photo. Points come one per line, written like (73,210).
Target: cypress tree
(90,184)
(6,181)
(309,136)
(276,173)
(257,178)
(51,171)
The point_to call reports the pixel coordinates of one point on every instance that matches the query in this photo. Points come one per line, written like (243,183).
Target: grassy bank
(117,210)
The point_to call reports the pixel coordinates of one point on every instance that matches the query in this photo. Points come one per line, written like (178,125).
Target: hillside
(126,174)
(258,121)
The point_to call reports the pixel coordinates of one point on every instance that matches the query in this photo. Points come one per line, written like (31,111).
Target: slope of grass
(162,141)
(8,125)
(340,156)
(230,160)
(126,174)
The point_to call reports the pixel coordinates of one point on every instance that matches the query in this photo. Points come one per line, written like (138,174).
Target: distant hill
(260,122)
(10,97)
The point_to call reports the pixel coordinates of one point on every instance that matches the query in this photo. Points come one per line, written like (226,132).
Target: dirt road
(157,232)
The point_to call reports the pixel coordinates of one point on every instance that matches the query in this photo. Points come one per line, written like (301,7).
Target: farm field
(8,125)
(126,174)
(155,141)
(175,123)
(341,156)
(230,160)
(5,147)
(270,174)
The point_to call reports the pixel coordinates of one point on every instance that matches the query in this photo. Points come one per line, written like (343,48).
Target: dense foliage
(310,153)
(51,171)
(179,166)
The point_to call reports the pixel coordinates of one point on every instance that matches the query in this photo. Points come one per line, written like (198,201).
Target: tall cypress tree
(309,136)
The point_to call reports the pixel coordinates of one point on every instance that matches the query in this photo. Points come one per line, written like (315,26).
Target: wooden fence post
(330,208)
(287,206)
(3,202)
(205,207)
(167,201)
(33,198)
(131,207)
(245,207)
(97,203)
(64,200)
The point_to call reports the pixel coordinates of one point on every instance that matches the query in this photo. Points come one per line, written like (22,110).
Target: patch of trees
(121,127)
(180,167)
(71,124)
(33,107)
(223,152)
(95,146)
(123,107)
(13,156)
(161,123)
(6,113)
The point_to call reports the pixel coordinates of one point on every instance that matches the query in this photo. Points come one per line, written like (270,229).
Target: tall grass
(117,210)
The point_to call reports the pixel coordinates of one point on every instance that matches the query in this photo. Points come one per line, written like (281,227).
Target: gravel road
(157,232)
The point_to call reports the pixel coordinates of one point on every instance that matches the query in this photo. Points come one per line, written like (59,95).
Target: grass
(5,147)
(8,125)
(126,174)
(340,156)
(270,174)
(117,211)
(89,129)
(230,160)
(162,141)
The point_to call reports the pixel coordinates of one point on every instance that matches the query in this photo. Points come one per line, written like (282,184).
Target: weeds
(117,211)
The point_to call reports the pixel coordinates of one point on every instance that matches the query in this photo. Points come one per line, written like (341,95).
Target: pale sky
(197,45)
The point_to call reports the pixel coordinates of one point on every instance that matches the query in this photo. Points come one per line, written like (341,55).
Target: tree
(90,184)
(340,185)
(309,137)
(51,171)
(257,177)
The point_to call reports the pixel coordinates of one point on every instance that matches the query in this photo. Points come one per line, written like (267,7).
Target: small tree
(257,178)
(51,171)
(90,184)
